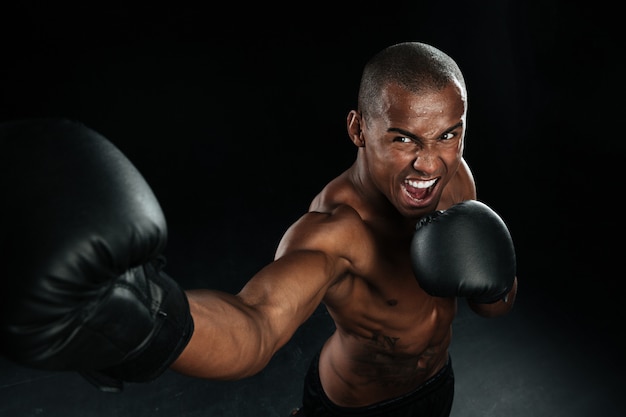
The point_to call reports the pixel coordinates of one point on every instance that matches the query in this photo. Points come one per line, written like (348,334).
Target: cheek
(454,156)
(387,164)
(452,153)
(395,160)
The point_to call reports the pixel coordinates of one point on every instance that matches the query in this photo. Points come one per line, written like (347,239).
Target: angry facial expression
(413,146)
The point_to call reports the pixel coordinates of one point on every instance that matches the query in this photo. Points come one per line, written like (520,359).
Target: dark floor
(533,362)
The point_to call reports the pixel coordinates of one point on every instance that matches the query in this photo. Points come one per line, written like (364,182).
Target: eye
(447,136)
(403,139)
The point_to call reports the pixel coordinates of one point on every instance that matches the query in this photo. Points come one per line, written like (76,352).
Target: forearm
(498,308)
(231,340)
(236,336)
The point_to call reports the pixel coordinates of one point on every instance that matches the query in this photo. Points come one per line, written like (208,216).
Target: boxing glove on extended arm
(82,234)
(464,251)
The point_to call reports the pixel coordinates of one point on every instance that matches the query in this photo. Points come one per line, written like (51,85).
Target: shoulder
(462,187)
(333,225)
(332,232)
(464,181)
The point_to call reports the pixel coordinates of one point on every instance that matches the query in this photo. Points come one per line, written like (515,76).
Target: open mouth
(419,189)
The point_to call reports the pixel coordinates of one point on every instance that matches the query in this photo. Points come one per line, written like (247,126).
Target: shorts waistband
(381,407)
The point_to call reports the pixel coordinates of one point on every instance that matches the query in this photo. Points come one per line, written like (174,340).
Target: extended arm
(237,335)
(84,288)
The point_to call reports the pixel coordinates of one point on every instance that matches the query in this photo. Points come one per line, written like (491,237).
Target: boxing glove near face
(82,232)
(464,251)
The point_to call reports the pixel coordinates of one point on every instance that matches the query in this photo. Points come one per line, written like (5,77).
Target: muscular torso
(390,335)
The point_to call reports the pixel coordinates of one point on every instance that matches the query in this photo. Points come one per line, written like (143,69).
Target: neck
(376,204)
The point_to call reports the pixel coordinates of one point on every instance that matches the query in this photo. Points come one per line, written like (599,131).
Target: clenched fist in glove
(464,251)
(82,237)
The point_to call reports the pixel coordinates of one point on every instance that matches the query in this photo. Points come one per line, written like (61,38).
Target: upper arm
(308,261)
(236,335)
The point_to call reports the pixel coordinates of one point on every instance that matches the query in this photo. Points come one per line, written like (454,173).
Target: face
(413,147)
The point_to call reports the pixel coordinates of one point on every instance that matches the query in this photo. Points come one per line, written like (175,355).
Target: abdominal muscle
(387,351)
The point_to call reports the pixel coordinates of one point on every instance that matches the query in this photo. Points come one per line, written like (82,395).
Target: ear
(354,123)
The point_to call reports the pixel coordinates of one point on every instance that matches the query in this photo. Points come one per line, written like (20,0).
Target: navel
(392,302)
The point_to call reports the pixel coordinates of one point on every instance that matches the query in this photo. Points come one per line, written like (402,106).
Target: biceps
(286,292)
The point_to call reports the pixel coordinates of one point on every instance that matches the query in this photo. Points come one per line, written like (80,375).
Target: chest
(383,290)
(381,293)
(390,313)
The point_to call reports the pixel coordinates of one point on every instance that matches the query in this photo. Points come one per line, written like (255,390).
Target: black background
(236,117)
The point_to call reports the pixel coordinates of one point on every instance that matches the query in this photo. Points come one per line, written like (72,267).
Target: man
(356,250)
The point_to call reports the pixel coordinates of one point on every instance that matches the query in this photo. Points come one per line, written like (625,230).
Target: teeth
(421,184)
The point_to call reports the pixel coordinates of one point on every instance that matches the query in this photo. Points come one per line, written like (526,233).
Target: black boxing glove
(82,286)
(464,251)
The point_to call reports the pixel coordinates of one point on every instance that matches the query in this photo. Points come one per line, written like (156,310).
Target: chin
(416,212)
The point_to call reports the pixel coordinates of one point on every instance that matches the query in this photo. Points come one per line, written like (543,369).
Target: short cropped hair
(415,66)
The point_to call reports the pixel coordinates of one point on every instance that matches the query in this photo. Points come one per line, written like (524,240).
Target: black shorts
(432,398)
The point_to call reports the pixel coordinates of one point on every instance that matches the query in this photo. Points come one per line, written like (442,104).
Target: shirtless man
(351,251)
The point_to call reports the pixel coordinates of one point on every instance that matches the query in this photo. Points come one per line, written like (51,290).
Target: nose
(425,161)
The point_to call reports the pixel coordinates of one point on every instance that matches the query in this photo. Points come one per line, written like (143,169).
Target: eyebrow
(415,137)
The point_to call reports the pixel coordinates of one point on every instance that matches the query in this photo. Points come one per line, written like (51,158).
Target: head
(409,125)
